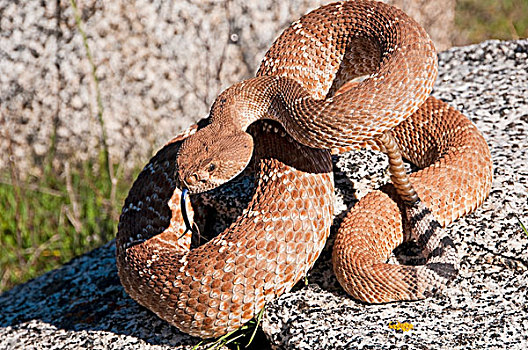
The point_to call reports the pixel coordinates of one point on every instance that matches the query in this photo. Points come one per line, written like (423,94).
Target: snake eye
(212,167)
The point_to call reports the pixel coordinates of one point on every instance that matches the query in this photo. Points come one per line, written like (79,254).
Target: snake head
(213,156)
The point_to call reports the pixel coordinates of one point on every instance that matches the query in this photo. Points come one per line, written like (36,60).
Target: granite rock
(82,305)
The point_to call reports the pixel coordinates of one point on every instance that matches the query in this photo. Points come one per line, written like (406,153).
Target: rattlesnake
(347,75)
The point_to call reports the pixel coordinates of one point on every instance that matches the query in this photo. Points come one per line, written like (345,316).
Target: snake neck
(256,99)
(276,98)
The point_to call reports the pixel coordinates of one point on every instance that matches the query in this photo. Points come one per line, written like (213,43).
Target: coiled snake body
(347,75)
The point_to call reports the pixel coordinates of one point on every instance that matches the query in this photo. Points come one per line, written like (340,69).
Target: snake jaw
(195,179)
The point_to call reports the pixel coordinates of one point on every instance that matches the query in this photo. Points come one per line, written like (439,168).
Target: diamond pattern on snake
(345,76)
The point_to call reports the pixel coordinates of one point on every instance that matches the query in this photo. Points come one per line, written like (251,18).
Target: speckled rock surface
(82,304)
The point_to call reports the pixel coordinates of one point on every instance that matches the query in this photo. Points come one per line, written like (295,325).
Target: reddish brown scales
(259,257)
(303,84)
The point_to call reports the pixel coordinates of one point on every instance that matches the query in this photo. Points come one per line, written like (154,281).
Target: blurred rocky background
(89,90)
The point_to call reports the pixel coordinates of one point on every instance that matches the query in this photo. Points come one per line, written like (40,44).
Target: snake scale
(345,76)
